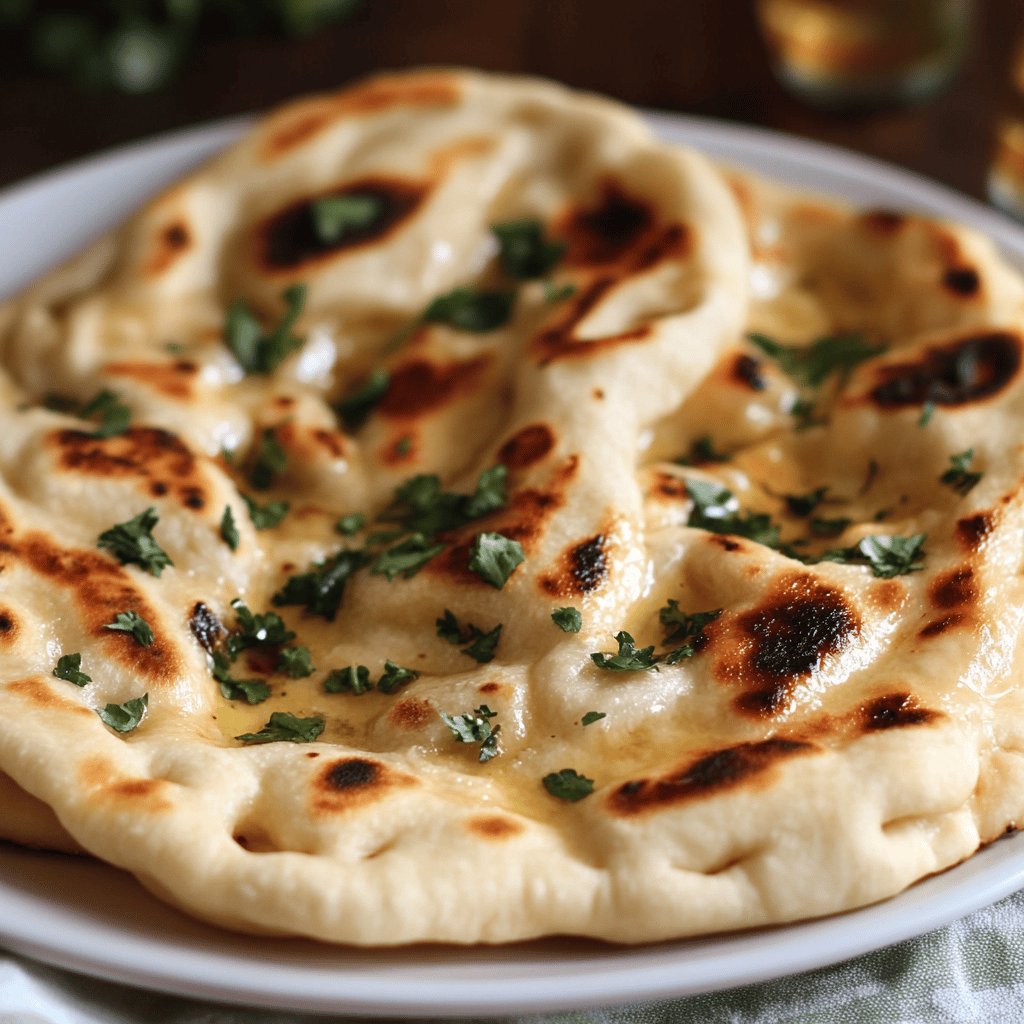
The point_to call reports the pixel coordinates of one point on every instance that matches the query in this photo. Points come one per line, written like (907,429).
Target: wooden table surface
(697,56)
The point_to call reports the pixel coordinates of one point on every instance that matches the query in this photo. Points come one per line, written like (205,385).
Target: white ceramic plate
(91,918)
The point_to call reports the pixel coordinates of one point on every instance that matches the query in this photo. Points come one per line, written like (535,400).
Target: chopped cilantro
(494,557)
(252,630)
(394,676)
(354,408)
(568,620)
(69,668)
(295,662)
(489,495)
(229,529)
(406,558)
(475,727)
(524,252)
(265,517)
(679,626)
(715,508)
(806,415)
(479,645)
(252,691)
(112,414)
(568,785)
(421,506)
(829,527)
(284,727)
(810,365)
(350,525)
(802,505)
(256,351)
(134,623)
(592,716)
(133,542)
(268,462)
(888,556)
(336,216)
(124,717)
(321,589)
(628,658)
(927,412)
(403,445)
(958,477)
(701,452)
(557,292)
(471,309)
(351,679)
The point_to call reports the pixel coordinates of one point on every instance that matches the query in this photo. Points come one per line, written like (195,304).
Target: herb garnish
(524,252)
(494,557)
(802,505)
(133,542)
(568,785)
(354,409)
(701,452)
(266,517)
(124,717)
(557,292)
(114,415)
(335,216)
(829,527)
(350,525)
(683,630)
(229,529)
(927,412)
(394,677)
(958,477)
(295,662)
(284,727)
(628,658)
(592,716)
(475,728)
(406,558)
(716,508)
(266,630)
(134,623)
(471,309)
(356,679)
(888,556)
(321,589)
(268,462)
(479,645)
(256,351)
(69,668)
(811,365)
(568,620)
(252,691)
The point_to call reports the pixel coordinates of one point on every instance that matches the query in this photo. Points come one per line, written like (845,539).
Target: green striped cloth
(971,971)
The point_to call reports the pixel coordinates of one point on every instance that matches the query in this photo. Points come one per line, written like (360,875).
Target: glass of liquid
(865,53)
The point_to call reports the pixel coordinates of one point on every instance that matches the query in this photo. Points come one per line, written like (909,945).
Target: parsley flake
(394,677)
(113,415)
(350,679)
(252,630)
(256,351)
(829,527)
(252,691)
(557,292)
(811,365)
(350,525)
(494,557)
(354,408)
(523,251)
(229,529)
(802,505)
(958,477)
(479,645)
(702,451)
(133,542)
(286,728)
(69,668)
(568,785)
(592,716)
(927,412)
(475,727)
(124,717)
(320,591)
(716,508)
(134,623)
(405,558)
(295,662)
(471,309)
(269,460)
(681,627)
(265,517)
(336,216)
(628,658)
(568,620)
(887,556)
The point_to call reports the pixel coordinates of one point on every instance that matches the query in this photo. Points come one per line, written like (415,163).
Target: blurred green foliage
(138,46)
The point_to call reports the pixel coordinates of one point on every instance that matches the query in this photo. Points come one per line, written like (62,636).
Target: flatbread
(830,737)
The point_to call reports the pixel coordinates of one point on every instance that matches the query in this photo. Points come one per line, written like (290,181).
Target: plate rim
(989,875)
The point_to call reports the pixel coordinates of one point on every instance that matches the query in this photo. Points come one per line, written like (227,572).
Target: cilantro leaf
(405,558)
(395,676)
(568,620)
(287,728)
(133,542)
(69,668)
(592,716)
(494,557)
(354,408)
(701,452)
(295,662)
(124,717)
(475,727)
(802,505)
(351,679)
(958,477)
(134,623)
(927,412)
(556,293)
(471,309)
(628,658)
(252,691)
(568,785)
(321,589)
(421,506)
(715,508)
(266,517)
(481,646)
(336,216)
(811,365)
(269,460)
(523,251)
(252,630)
(829,527)
(680,626)
(229,529)
(256,351)
(350,525)
(114,415)
(489,495)
(887,555)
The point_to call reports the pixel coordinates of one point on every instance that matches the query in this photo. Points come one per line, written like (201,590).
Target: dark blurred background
(698,56)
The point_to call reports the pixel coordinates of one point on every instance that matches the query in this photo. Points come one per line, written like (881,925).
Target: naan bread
(831,736)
